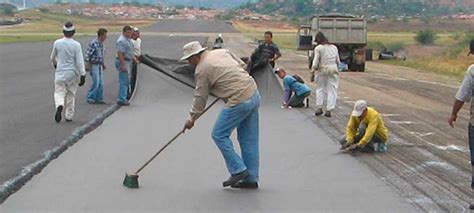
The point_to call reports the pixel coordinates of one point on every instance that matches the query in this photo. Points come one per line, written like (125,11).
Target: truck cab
(347,32)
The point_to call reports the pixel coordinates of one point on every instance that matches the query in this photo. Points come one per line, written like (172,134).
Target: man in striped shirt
(95,65)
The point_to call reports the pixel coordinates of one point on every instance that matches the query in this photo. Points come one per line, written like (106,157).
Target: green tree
(425,37)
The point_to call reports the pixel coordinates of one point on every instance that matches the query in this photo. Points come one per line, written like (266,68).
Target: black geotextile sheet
(267,82)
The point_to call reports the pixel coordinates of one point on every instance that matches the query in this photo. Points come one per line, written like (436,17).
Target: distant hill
(207,3)
(221,4)
(418,8)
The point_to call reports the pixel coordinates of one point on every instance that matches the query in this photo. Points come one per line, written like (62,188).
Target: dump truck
(347,32)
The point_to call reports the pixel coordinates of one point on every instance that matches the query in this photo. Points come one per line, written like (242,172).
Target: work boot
(327,114)
(235,178)
(245,185)
(57,116)
(318,112)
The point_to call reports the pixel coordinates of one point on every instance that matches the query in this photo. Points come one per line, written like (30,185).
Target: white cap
(277,69)
(68,28)
(359,107)
(220,35)
(192,48)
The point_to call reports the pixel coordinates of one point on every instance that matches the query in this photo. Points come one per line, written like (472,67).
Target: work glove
(83,80)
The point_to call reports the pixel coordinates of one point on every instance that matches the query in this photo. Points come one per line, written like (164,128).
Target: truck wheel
(361,67)
(352,67)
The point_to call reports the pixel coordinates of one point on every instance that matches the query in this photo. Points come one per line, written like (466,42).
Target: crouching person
(366,131)
(292,84)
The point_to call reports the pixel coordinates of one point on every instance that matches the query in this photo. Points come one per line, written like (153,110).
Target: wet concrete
(301,170)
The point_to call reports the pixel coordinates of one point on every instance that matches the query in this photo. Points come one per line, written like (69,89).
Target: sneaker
(123,103)
(235,178)
(101,102)
(91,102)
(327,114)
(57,116)
(318,112)
(68,120)
(471,206)
(245,185)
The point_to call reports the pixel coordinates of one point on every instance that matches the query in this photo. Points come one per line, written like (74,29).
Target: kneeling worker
(291,84)
(364,130)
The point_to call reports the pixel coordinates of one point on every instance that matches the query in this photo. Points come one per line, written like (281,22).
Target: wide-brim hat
(192,48)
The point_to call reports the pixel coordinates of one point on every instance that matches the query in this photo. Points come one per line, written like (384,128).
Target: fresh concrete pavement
(301,170)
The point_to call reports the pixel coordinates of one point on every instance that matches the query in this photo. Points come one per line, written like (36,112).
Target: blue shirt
(125,46)
(95,52)
(290,84)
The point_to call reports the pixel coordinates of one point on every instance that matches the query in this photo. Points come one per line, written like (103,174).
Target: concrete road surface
(301,170)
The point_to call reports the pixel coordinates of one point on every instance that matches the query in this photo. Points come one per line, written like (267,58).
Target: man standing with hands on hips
(123,64)
(221,73)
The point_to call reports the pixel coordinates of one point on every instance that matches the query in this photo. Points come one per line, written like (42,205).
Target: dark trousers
(298,100)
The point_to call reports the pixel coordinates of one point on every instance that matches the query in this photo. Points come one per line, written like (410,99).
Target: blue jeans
(96,92)
(375,144)
(244,117)
(124,81)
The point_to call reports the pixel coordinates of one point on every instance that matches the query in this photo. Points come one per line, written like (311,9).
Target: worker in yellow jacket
(365,131)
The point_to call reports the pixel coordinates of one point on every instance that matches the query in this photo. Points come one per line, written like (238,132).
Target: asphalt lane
(191,26)
(27,127)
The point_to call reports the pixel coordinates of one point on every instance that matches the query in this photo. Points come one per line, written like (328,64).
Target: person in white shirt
(326,74)
(70,73)
(137,43)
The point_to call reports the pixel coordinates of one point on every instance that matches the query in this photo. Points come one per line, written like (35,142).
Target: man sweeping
(70,72)
(292,85)
(365,131)
(221,73)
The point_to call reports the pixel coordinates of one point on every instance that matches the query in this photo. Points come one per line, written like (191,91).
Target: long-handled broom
(131,179)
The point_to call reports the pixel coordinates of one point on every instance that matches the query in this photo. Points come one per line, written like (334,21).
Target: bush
(377,45)
(425,37)
(396,46)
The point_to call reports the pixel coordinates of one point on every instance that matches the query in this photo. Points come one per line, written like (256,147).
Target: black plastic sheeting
(267,82)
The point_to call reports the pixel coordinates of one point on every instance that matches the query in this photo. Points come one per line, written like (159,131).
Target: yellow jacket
(374,123)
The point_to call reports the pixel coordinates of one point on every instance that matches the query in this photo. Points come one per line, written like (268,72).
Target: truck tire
(361,67)
(353,67)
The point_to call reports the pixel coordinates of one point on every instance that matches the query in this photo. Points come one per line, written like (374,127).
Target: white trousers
(326,91)
(65,95)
